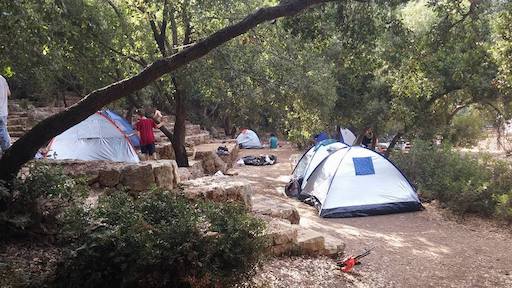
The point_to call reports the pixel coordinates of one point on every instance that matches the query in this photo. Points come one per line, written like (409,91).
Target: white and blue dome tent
(96,138)
(320,152)
(248,139)
(308,162)
(359,182)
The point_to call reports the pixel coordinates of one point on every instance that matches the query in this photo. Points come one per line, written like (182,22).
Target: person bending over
(144,127)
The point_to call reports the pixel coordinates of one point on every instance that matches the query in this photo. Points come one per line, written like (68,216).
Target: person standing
(273,141)
(5,139)
(144,127)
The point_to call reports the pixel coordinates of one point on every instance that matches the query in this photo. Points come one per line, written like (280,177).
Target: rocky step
(198,139)
(16,120)
(12,128)
(18,114)
(194,171)
(313,243)
(275,207)
(16,134)
(281,236)
(220,189)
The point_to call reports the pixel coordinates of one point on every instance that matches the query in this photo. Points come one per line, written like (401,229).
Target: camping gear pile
(262,160)
(347,181)
(222,151)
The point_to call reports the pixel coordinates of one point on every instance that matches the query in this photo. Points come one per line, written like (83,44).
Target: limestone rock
(281,236)
(220,189)
(138,177)
(274,207)
(184,174)
(165,151)
(310,242)
(211,162)
(109,178)
(166,173)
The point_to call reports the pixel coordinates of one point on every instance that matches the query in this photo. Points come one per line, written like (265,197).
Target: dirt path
(422,249)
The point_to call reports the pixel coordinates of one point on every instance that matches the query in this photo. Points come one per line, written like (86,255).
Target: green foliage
(467,128)
(464,183)
(160,240)
(34,201)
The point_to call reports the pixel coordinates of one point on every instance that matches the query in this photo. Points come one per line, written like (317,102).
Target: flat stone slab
(220,189)
(310,242)
(281,236)
(275,207)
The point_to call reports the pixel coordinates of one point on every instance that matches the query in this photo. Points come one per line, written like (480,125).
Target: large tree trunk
(26,147)
(179,127)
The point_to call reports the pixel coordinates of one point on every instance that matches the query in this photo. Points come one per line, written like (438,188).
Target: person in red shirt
(144,127)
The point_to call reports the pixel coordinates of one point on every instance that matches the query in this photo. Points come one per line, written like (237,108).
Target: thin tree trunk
(392,144)
(227,125)
(64,100)
(26,147)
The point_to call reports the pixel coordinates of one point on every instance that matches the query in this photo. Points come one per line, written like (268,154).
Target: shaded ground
(423,249)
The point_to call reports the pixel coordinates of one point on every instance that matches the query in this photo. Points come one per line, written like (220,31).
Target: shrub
(464,183)
(467,128)
(33,201)
(161,240)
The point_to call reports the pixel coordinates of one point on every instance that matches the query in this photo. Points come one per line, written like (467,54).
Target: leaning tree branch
(26,147)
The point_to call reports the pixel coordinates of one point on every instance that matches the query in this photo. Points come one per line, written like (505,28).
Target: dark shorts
(148,149)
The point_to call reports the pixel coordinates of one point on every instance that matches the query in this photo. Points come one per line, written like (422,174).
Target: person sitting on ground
(144,127)
(369,140)
(273,141)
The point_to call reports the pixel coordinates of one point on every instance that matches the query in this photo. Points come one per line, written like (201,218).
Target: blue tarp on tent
(125,126)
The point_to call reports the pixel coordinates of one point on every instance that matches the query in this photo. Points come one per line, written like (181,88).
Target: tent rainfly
(356,181)
(248,139)
(313,157)
(102,136)
(347,137)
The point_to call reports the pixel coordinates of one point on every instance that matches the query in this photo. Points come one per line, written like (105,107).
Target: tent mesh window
(363,165)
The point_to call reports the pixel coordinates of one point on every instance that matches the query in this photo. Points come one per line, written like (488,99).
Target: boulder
(166,173)
(138,177)
(109,178)
(310,242)
(184,174)
(231,158)
(165,151)
(275,207)
(220,189)
(281,236)
(211,162)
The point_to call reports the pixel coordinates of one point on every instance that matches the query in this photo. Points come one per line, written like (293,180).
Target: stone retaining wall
(135,177)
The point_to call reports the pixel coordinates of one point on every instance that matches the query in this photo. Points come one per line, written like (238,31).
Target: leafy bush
(467,128)
(161,240)
(33,201)
(302,123)
(464,183)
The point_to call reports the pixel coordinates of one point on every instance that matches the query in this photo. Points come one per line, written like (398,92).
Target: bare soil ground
(430,248)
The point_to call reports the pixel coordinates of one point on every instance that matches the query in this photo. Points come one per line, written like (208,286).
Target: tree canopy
(407,67)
